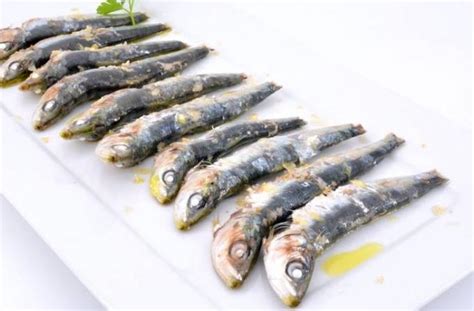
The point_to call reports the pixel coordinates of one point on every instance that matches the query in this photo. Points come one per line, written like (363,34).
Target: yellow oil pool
(341,263)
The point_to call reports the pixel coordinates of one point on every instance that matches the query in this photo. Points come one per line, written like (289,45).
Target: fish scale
(172,164)
(272,202)
(63,63)
(268,155)
(290,253)
(138,140)
(33,30)
(24,61)
(72,90)
(129,104)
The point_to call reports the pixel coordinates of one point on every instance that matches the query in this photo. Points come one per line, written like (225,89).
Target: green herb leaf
(109,6)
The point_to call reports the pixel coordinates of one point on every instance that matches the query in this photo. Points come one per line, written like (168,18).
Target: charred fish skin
(137,140)
(36,29)
(290,254)
(63,63)
(236,244)
(204,188)
(23,61)
(72,90)
(130,104)
(172,164)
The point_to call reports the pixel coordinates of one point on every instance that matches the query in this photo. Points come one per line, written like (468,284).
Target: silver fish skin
(36,29)
(63,63)
(172,164)
(289,254)
(70,91)
(236,244)
(22,62)
(127,105)
(142,138)
(204,188)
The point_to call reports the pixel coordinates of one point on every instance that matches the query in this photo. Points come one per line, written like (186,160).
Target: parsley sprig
(110,6)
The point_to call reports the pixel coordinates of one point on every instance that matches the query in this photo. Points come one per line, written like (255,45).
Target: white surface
(33,276)
(300,96)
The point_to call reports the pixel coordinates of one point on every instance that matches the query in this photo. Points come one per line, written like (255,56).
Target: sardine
(36,29)
(237,242)
(24,61)
(289,255)
(140,139)
(172,164)
(204,188)
(73,90)
(63,63)
(129,104)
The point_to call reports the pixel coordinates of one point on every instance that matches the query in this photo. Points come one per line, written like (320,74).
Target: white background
(421,51)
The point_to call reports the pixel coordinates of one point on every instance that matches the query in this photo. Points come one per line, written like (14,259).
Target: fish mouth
(233,282)
(66,134)
(291,301)
(182,224)
(39,124)
(35,85)
(158,191)
(228,274)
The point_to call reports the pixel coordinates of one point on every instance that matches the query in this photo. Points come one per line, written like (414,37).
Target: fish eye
(239,250)
(296,270)
(79,122)
(169,177)
(196,201)
(121,148)
(5,46)
(14,66)
(50,106)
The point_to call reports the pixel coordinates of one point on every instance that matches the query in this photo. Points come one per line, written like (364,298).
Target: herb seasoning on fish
(204,188)
(272,202)
(24,61)
(64,63)
(72,90)
(35,29)
(129,104)
(290,252)
(138,140)
(172,164)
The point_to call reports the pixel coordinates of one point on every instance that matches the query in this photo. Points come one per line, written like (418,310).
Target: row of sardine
(141,110)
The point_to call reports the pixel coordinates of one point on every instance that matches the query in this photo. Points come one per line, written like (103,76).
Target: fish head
(34,82)
(83,127)
(289,263)
(117,148)
(235,248)
(10,39)
(197,197)
(169,169)
(50,107)
(14,67)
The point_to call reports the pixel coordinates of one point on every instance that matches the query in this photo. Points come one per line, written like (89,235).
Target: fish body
(36,29)
(63,63)
(22,62)
(204,188)
(290,253)
(129,104)
(172,164)
(139,139)
(73,90)
(273,202)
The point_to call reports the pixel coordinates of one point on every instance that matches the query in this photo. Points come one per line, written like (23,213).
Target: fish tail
(186,56)
(288,124)
(140,31)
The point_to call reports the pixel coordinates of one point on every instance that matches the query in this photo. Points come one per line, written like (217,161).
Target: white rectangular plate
(123,245)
